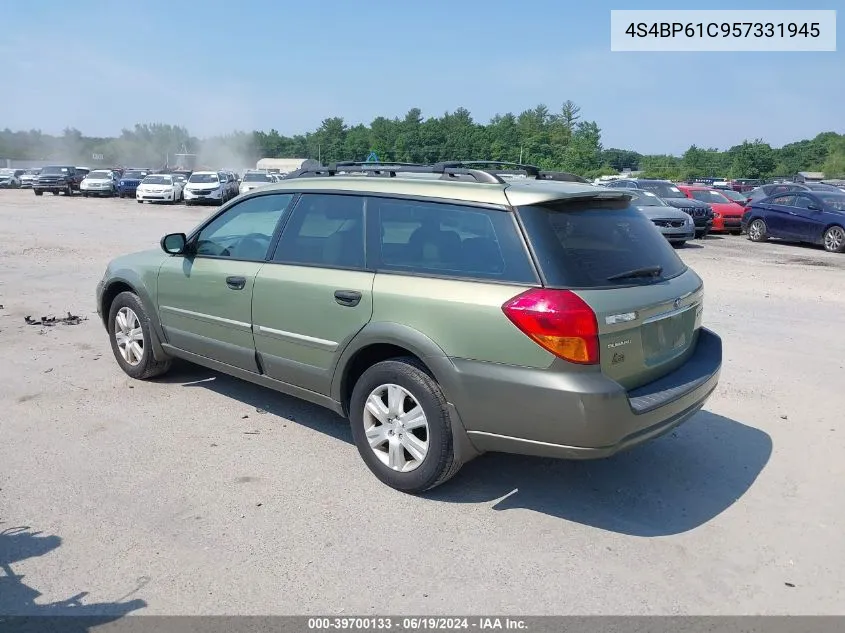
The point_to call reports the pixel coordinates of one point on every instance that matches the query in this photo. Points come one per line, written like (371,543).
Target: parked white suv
(207,187)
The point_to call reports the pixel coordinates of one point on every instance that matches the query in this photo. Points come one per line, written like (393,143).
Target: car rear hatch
(647,303)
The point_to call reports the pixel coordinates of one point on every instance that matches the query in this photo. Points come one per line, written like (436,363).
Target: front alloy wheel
(396,428)
(834,239)
(129,336)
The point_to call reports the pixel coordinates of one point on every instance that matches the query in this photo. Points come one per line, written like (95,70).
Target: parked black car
(58,179)
(700,212)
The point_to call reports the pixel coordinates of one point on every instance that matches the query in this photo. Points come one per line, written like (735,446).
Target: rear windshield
(583,244)
(257,177)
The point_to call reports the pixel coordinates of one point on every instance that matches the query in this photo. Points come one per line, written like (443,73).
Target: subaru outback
(444,310)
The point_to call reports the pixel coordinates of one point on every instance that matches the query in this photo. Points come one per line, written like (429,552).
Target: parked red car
(727,214)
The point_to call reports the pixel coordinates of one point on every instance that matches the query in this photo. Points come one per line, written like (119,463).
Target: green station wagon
(446,310)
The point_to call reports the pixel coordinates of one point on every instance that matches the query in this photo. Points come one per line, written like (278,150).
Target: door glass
(448,240)
(324,230)
(803,202)
(245,230)
(785,201)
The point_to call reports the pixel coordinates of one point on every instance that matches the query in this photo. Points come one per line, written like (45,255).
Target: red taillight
(559,321)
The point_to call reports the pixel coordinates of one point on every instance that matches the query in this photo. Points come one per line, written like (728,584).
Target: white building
(285,165)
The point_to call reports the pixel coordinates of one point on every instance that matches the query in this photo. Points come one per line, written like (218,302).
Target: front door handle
(349,298)
(236,283)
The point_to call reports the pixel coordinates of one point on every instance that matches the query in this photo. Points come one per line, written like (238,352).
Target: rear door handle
(236,283)
(349,298)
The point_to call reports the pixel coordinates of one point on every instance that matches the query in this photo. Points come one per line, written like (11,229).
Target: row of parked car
(145,185)
(808,212)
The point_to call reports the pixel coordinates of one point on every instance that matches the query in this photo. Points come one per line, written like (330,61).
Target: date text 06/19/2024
(415,624)
(722,30)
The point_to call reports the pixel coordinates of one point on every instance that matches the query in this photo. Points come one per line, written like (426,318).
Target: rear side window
(448,240)
(592,243)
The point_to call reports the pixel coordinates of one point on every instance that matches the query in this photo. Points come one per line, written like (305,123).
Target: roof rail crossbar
(489,165)
(390,170)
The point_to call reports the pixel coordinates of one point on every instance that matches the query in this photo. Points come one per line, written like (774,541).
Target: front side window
(324,230)
(450,240)
(245,230)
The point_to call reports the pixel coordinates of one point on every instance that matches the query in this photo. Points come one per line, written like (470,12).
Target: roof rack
(486,171)
(447,172)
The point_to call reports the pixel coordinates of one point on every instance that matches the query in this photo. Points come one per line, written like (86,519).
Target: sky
(215,67)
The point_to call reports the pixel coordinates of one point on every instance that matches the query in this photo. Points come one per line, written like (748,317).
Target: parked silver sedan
(676,226)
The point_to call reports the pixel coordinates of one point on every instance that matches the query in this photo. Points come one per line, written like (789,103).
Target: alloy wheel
(129,336)
(834,239)
(396,427)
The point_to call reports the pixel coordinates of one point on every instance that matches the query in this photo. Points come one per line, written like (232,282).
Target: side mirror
(174,243)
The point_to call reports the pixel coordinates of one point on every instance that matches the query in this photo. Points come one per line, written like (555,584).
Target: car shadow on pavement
(257,397)
(19,610)
(668,486)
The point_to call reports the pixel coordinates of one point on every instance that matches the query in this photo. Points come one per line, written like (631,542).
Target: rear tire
(415,390)
(758,231)
(126,317)
(834,239)
(38,193)
(69,190)
(139,201)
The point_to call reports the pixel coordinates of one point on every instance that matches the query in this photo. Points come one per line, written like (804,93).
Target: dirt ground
(201,494)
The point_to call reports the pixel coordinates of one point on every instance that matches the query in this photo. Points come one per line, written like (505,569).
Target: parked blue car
(816,217)
(129,182)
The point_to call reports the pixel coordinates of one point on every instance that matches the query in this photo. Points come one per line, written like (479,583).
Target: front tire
(758,231)
(129,334)
(679,244)
(834,239)
(38,193)
(400,424)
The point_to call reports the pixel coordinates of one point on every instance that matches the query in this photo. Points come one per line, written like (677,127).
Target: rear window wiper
(645,271)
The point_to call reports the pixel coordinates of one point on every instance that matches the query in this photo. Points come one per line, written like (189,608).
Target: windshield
(257,177)
(646,199)
(736,196)
(157,180)
(135,175)
(709,196)
(835,201)
(584,243)
(6,172)
(54,170)
(663,189)
(203,178)
(102,175)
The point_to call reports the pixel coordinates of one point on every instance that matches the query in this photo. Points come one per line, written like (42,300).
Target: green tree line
(559,139)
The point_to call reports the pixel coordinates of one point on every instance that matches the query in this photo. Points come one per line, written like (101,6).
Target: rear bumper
(578,414)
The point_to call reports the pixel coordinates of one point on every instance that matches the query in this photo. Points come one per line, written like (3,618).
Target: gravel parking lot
(201,494)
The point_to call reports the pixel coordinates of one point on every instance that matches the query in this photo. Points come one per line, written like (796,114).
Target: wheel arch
(382,340)
(127,281)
